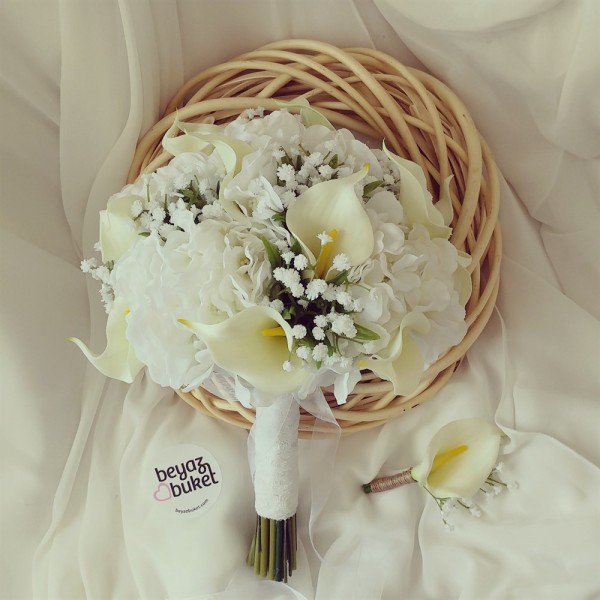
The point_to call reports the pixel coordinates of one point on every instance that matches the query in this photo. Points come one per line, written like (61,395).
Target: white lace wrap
(276,459)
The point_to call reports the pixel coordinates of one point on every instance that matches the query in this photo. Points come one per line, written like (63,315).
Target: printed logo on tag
(184,481)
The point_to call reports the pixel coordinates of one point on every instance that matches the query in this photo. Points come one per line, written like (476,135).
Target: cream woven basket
(377,98)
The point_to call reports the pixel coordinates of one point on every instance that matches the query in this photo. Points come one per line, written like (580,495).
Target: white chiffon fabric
(81,81)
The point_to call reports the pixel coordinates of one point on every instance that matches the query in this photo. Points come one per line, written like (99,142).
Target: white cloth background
(81,81)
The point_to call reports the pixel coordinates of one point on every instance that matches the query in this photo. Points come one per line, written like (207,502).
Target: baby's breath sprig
(320,310)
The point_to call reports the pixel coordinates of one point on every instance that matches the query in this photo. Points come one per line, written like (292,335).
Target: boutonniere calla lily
(460,460)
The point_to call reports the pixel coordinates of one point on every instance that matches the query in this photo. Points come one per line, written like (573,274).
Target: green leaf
(340,279)
(278,217)
(144,233)
(334,162)
(371,187)
(287,159)
(296,247)
(192,194)
(272,252)
(364,334)
(288,312)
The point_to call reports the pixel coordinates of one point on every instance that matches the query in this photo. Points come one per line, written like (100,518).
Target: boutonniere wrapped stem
(460,460)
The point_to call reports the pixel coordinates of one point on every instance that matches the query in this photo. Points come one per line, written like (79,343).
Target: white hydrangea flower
(212,211)
(158,213)
(165,229)
(345,362)
(136,208)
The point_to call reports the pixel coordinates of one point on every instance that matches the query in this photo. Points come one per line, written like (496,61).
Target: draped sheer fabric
(81,81)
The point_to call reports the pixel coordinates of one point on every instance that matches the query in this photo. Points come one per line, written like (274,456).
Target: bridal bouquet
(282,256)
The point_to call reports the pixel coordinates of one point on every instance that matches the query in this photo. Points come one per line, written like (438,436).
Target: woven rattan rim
(373,95)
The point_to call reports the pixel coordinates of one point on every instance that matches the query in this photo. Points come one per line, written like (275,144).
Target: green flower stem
(272,540)
(257,548)
(251,552)
(264,543)
(279,552)
(293,544)
(382,484)
(273,548)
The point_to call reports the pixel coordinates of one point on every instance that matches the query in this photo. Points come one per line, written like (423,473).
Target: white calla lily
(444,204)
(254,344)
(118,359)
(459,458)
(401,361)
(198,137)
(333,206)
(118,231)
(418,202)
(202,137)
(309,115)
(179,144)
(465,285)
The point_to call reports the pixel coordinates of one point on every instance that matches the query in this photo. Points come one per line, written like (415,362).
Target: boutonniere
(461,460)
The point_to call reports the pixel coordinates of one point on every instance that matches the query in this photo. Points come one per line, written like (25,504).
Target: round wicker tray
(376,97)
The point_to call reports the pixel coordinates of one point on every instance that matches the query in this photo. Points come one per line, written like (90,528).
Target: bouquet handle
(273,548)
